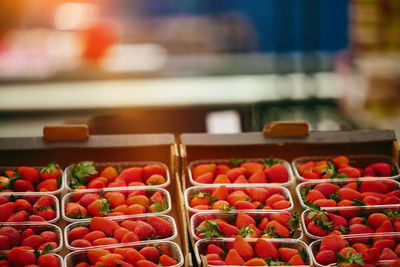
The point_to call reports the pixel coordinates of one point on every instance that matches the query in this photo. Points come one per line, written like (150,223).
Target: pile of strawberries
(27,208)
(248,225)
(30,179)
(239,172)
(351,221)
(356,193)
(340,167)
(144,256)
(85,175)
(259,253)
(83,205)
(248,198)
(377,250)
(102,231)
(23,256)
(31,237)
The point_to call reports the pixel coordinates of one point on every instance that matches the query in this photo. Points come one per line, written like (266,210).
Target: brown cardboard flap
(286,129)
(77,132)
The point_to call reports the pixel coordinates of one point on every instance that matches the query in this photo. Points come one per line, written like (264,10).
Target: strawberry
(47,185)
(316,230)
(29,174)
(383,243)
(12,234)
(155,179)
(167,261)
(382,169)
(102,224)
(150,253)
(255,262)
(233,258)
(145,263)
(227,230)
(337,220)
(48,214)
(23,204)
(221,179)
(50,171)
(88,199)
(36,218)
(42,203)
(258,194)
(131,255)
(20,216)
(202,169)
(23,186)
(371,201)
(385,227)
(314,195)
(350,172)
(373,186)
(80,243)
(77,233)
(33,241)
(244,219)
(360,229)
(287,253)
(277,173)
(356,220)
(221,193)
(162,227)
(99,207)
(391,200)
(133,174)
(349,194)
(251,167)
(237,196)
(98,182)
(48,260)
(241,179)
(129,237)
(258,177)
(265,249)
(387,254)
(325,202)
(213,257)
(152,169)
(222,169)
(234,173)
(144,230)
(49,236)
(244,249)
(206,178)
(278,228)
(376,219)
(296,260)
(311,175)
(105,241)
(327,188)
(211,248)
(332,242)
(244,205)
(20,257)
(221,205)
(325,257)
(341,161)
(93,235)
(95,254)
(281,205)
(4,242)
(115,198)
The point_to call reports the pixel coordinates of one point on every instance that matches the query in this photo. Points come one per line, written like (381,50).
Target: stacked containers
(133,214)
(228,192)
(348,196)
(28,218)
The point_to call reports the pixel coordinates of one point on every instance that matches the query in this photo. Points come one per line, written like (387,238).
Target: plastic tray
(125,164)
(230,215)
(189,192)
(227,161)
(315,245)
(56,205)
(356,160)
(59,258)
(364,209)
(148,189)
(75,257)
(43,227)
(299,187)
(56,192)
(201,246)
(120,219)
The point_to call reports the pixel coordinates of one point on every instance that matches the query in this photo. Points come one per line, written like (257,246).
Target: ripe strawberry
(152,169)
(349,194)
(258,177)
(48,214)
(327,188)
(277,173)
(102,224)
(241,179)
(150,253)
(80,243)
(282,217)
(99,208)
(23,204)
(220,205)
(95,254)
(244,219)
(77,233)
(237,196)
(213,249)
(325,202)
(296,260)
(376,219)
(36,218)
(162,227)
(206,178)
(167,261)
(155,179)
(251,167)
(20,216)
(120,182)
(391,200)
(314,195)
(371,201)
(133,174)
(382,169)
(265,249)
(130,237)
(12,234)
(51,171)
(221,193)
(29,174)
(257,194)
(350,172)
(221,179)
(33,241)
(281,205)
(349,212)
(222,169)
(234,173)
(287,253)
(4,243)
(88,199)
(48,260)
(202,169)
(385,227)
(387,254)
(325,257)
(105,241)
(337,220)
(233,258)
(227,230)
(213,257)
(42,203)
(27,232)
(144,230)
(356,220)
(23,186)
(244,205)
(332,242)
(360,229)
(20,257)
(316,230)
(274,198)
(278,228)
(341,161)
(145,263)
(49,236)
(373,186)
(98,182)
(244,249)
(115,198)
(93,235)
(383,243)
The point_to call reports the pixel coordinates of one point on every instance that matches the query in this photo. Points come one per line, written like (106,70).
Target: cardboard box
(256,145)
(33,151)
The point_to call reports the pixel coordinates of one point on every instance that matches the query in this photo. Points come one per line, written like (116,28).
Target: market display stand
(256,145)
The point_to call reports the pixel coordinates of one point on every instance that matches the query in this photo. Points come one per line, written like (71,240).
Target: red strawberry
(287,253)
(227,230)
(332,242)
(311,175)
(327,188)
(206,178)
(281,205)
(162,227)
(93,235)
(152,169)
(233,258)
(391,200)
(49,236)
(105,241)
(296,260)
(278,228)
(145,263)
(244,205)
(202,169)
(373,186)
(314,195)
(385,227)
(19,257)
(51,171)
(167,261)
(20,216)
(29,174)
(341,161)
(77,233)
(33,241)
(376,219)
(337,220)
(150,253)
(129,237)
(255,262)
(23,204)
(316,230)
(213,249)
(349,194)
(144,230)
(274,198)
(88,199)
(325,202)
(102,224)
(244,249)
(47,214)
(265,249)
(80,243)
(251,167)
(350,172)
(4,243)
(48,260)
(277,173)
(234,173)
(371,201)
(356,220)
(360,229)
(75,211)
(47,185)
(244,219)
(133,174)
(258,177)
(221,179)
(241,180)
(221,193)
(42,203)
(382,169)
(258,194)
(325,257)
(23,186)
(388,254)
(12,234)
(6,210)
(222,169)
(383,243)
(369,172)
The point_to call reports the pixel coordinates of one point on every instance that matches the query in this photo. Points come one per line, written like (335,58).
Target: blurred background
(219,66)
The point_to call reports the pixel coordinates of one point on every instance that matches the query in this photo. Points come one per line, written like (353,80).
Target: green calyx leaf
(51,166)
(343,229)
(271,232)
(304,192)
(105,207)
(208,196)
(327,226)
(77,215)
(331,169)
(210,229)
(354,258)
(235,162)
(334,196)
(391,214)
(269,162)
(303,254)
(316,210)
(358,202)
(245,231)
(275,262)
(160,207)
(81,171)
